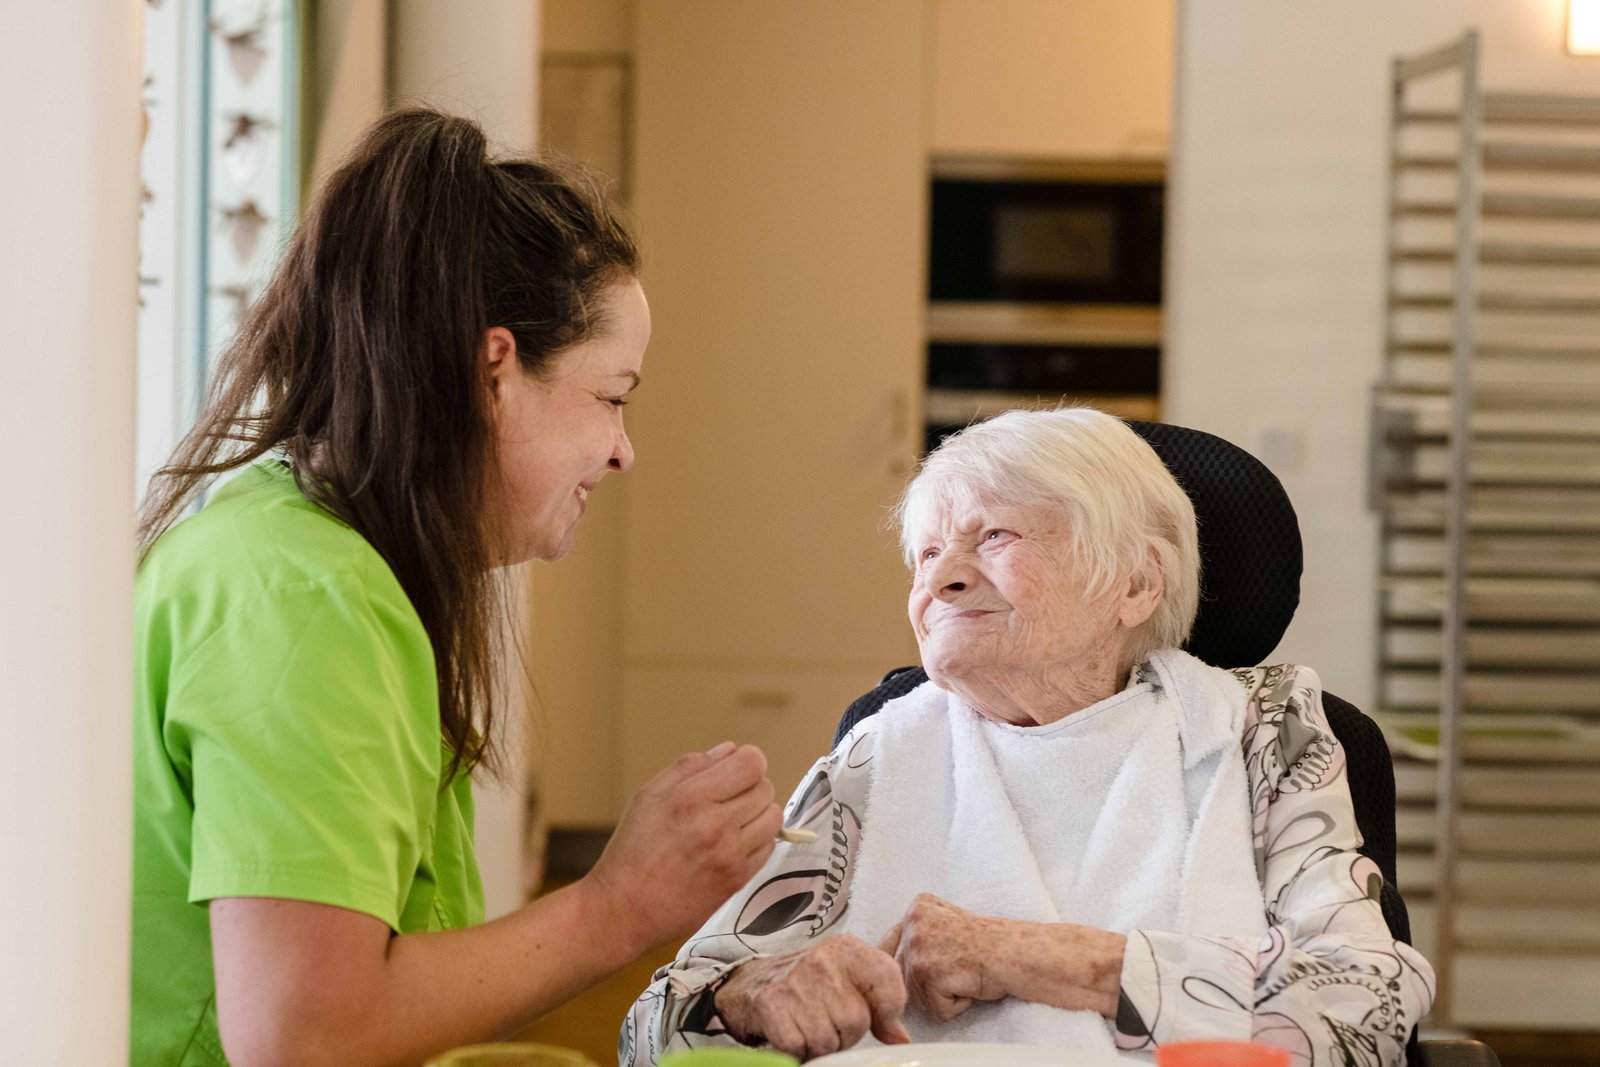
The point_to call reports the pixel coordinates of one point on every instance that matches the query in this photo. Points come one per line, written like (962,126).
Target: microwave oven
(1019,231)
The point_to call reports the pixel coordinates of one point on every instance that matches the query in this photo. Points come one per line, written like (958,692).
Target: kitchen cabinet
(1085,79)
(777,174)
(779,182)
(789,713)
(780,188)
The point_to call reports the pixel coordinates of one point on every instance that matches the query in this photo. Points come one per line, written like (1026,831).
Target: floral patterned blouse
(1327,981)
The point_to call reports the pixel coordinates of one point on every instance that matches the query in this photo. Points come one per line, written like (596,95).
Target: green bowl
(512,1054)
(727,1057)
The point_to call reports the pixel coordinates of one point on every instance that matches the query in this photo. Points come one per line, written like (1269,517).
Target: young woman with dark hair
(427,391)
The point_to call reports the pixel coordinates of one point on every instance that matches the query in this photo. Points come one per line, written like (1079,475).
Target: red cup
(1220,1054)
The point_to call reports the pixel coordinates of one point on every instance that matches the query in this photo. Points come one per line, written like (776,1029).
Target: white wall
(1275,246)
(68,264)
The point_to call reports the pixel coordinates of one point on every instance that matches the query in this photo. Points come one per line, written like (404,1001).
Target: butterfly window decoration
(244,223)
(241,32)
(244,145)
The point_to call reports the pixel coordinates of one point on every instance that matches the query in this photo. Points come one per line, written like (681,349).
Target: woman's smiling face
(558,432)
(999,604)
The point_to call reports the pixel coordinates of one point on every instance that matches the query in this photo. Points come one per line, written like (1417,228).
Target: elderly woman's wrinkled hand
(946,956)
(818,1000)
(951,957)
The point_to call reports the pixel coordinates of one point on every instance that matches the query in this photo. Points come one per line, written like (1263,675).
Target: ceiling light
(1583,27)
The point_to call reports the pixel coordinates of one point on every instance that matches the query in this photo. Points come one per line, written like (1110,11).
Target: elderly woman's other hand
(818,1000)
(946,955)
(950,957)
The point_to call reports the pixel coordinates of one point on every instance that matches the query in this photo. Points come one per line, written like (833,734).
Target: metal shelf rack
(1486,477)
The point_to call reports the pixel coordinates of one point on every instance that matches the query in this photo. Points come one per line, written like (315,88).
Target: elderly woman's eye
(997,535)
(926,554)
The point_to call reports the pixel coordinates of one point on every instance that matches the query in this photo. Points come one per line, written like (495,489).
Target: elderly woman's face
(998,590)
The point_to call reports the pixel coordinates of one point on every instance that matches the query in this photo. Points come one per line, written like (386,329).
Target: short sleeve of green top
(287,744)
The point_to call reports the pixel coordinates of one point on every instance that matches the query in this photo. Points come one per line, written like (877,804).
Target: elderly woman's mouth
(966,614)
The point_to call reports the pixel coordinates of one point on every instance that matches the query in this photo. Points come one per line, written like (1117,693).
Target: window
(221,173)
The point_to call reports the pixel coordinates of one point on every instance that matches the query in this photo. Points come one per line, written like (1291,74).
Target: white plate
(959,1055)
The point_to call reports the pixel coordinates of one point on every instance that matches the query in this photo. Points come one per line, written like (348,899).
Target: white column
(350,64)
(481,60)
(69,90)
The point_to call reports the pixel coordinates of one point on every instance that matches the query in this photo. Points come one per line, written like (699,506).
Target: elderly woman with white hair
(1074,833)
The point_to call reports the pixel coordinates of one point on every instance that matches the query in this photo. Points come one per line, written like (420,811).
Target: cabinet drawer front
(789,714)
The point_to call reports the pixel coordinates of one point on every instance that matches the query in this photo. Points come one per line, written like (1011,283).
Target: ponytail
(360,363)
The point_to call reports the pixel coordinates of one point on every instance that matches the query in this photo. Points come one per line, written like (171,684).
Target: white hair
(1123,507)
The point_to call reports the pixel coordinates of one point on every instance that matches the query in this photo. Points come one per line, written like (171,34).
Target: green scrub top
(286,744)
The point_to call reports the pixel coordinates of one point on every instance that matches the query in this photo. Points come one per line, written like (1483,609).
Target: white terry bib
(1132,813)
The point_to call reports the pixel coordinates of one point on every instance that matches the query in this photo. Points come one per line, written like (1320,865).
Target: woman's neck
(1039,696)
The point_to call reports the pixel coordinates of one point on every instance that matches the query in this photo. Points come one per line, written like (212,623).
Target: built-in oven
(1044,286)
(1038,232)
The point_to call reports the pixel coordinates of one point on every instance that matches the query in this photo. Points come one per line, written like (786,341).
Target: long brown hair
(360,364)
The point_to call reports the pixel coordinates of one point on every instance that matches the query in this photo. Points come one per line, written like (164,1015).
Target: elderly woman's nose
(949,572)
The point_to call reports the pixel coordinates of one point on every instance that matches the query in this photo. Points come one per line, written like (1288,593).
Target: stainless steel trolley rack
(1486,475)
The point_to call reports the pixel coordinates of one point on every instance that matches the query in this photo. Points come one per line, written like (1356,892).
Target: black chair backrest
(1249,588)
(1250,558)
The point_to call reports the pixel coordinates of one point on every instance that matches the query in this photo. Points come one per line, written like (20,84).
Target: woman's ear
(1142,593)
(499,356)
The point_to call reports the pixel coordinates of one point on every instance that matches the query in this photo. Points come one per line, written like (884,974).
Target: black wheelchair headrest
(1250,556)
